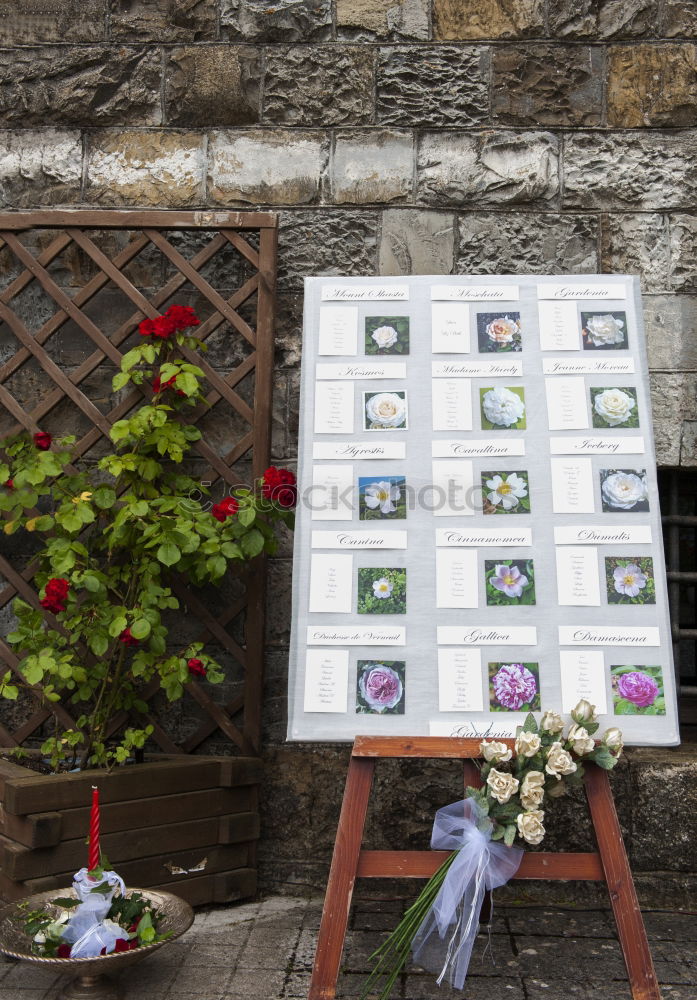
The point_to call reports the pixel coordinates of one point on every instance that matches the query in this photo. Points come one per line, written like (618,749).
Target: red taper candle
(93,861)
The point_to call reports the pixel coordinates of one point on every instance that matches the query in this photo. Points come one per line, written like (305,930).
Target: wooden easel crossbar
(608,864)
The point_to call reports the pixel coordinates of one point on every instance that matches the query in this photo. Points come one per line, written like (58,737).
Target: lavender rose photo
(514,687)
(380,687)
(637,690)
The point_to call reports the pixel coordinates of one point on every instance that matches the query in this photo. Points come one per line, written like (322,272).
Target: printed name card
(572,486)
(477,293)
(460,680)
(338,330)
(326,680)
(452,405)
(583,290)
(388,539)
(482,635)
(566,404)
(511,367)
(498,448)
(578,583)
(331,583)
(452,493)
(334,408)
(352,635)
(388,369)
(357,450)
(331,496)
(587,534)
(599,445)
(589,635)
(591,366)
(456,578)
(559,329)
(365,293)
(465,729)
(450,328)
(484,536)
(582,676)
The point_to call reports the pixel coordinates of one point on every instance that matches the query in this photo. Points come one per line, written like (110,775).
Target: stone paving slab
(265,950)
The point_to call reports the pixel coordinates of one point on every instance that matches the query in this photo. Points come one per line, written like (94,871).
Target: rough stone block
(688,444)
(162,169)
(273,167)
(307,85)
(461,19)
(629,171)
(62,85)
(383,18)
(603,18)
(683,252)
(173,21)
(41,167)
(652,85)
(213,84)
(375,166)
(26,22)
(281,21)
(678,19)
(525,243)
(547,84)
(671,331)
(416,242)
(433,85)
(664,785)
(673,401)
(637,244)
(313,243)
(491,169)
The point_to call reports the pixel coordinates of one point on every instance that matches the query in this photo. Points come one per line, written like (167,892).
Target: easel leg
(620,886)
(342,877)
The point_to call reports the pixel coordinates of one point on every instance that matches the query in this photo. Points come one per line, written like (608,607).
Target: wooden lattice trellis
(34,247)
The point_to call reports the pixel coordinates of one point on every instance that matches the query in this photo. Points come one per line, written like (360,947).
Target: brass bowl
(90,982)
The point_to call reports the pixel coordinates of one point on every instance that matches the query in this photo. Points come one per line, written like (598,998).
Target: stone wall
(393,136)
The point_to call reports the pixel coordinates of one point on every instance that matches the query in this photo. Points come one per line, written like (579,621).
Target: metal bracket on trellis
(92,276)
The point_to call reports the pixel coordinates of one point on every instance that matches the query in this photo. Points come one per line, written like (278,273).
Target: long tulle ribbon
(444,941)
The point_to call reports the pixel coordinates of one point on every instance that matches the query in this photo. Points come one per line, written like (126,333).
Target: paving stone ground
(264,951)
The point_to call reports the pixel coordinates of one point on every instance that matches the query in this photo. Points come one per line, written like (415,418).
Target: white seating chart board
(478,532)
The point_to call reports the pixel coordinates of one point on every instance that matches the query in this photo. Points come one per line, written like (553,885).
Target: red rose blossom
(159,386)
(196,667)
(226,508)
(280,485)
(182,317)
(127,639)
(123,945)
(63,951)
(56,594)
(9,483)
(42,440)
(162,327)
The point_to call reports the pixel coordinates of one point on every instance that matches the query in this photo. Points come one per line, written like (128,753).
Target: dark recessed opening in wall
(678,492)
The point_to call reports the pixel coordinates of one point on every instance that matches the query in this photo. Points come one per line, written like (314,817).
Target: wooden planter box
(169,814)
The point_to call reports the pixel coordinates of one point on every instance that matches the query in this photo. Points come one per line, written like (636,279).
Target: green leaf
(120,380)
(530,726)
(187,383)
(140,629)
(104,497)
(98,643)
(32,670)
(169,554)
(130,359)
(509,835)
(246,516)
(117,626)
(216,566)
(120,430)
(252,543)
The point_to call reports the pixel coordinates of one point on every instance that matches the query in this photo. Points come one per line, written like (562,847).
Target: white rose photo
(624,490)
(385,411)
(499,332)
(613,407)
(604,331)
(387,335)
(502,408)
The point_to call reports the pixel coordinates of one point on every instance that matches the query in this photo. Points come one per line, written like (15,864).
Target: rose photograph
(382,498)
(614,407)
(502,408)
(387,335)
(603,331)
(382,591)
(629,580)
(514,687)
(380,687)
(623,490)
(510,582)
(385,411)
(505,493)
(498,332)
(637,690)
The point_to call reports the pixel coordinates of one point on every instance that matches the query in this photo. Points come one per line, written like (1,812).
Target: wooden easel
(609,864)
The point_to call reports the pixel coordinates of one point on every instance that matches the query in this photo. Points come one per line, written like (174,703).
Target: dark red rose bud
(127,639)
(196,667)
(42,441)
(225,509)
(9,483)
(63,951)
(56,593)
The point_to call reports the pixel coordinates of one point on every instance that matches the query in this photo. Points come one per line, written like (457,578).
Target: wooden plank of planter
(225,887)
(19,862)
(46,793)
(47,829)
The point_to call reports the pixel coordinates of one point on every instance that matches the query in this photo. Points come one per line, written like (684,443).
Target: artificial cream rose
(614,406)
(559,761)
(495,752)
(624,490)
(527,744)
(530,826)
(385,336)
(613,739)
(386,409)
(605,330)
(532,791)
(551,722)
(501,785)
(502,330)
(583,743)
(583,712)
(502,407)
